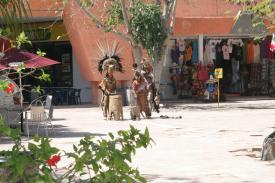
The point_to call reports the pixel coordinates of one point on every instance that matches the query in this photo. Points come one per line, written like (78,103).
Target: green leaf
(40,53)
(75,148)
(32,147)
(36,138)
(111,135)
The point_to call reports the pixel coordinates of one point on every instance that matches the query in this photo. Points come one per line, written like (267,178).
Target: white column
(201,48)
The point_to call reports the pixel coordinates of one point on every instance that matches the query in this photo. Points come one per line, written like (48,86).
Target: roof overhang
(39,19)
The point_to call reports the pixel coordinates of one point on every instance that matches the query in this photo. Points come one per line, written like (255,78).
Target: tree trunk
(158,66)
(137,53)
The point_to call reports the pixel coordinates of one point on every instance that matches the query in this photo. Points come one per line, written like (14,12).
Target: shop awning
(243,25)
(202,25)
(30,60)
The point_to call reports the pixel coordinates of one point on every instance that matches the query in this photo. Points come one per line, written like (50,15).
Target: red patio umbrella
(2,67)
(29,59)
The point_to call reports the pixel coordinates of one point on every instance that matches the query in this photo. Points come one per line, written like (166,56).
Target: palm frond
(13,12)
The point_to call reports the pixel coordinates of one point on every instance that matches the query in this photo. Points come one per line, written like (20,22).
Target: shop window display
(243,62)
(181,68)
(248,68)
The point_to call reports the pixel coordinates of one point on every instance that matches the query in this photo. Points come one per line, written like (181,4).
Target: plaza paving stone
(207,145)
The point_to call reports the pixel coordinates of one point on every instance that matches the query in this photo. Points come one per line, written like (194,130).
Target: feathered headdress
(108,56)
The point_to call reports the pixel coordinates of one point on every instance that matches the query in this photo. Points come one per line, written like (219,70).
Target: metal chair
(48,106)
(77,96)
(39,113)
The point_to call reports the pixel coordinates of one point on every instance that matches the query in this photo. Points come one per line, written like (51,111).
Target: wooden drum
(115,107)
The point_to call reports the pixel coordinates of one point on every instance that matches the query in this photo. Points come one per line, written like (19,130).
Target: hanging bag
(203,74)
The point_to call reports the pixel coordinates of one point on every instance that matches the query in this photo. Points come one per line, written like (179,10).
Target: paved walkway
(208,145)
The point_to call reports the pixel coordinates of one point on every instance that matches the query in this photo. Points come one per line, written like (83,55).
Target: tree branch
(165,9)
(125,16)
(99,24)
(173,17)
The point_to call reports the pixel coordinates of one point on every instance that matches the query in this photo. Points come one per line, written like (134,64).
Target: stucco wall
(84,36)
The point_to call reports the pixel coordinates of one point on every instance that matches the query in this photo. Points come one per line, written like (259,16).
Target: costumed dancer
(140,91)
(147,72)
(109,62)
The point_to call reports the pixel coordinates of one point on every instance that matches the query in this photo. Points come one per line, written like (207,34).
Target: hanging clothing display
(247,69)
(244,60)
(265,49)
(212,44)
(272,44)
(256,58)
(207,54)
(175,54)
(181,45)
(195,54)
(219,55)
(188,53)
(235,70)
(225,51)
(250,52)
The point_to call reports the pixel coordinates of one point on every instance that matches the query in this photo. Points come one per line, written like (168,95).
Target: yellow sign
(218,73)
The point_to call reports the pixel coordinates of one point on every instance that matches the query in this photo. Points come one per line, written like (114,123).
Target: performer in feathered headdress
(109,62)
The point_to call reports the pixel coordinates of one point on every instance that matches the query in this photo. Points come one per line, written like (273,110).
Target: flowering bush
(103,160)
(95,160)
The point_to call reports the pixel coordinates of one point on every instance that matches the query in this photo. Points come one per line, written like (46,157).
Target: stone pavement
(208,145)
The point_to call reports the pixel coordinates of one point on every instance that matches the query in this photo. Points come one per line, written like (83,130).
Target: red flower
(53,160)
(10,88)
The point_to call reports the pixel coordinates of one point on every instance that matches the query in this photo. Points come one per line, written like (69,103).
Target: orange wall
(44,8)
(185,8)
(84,35)
(206,8)
(206,26)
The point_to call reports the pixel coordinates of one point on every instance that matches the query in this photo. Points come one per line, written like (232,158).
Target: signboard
(218,73)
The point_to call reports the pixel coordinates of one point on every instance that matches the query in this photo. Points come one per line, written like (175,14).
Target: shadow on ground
(159,178)
(62,131)
(210,107)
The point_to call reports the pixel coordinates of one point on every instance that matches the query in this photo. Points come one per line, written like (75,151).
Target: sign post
(218,75)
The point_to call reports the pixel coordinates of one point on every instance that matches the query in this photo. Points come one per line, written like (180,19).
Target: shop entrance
(248,67)
(61,74)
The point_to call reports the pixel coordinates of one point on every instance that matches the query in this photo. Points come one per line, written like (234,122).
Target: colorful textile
(244,60)
(212,44)
(256,58)
(267,51)
(207,57)
(175,54)
(195,53)
(225,51)
(188,53)
(250,53)
(272,45)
